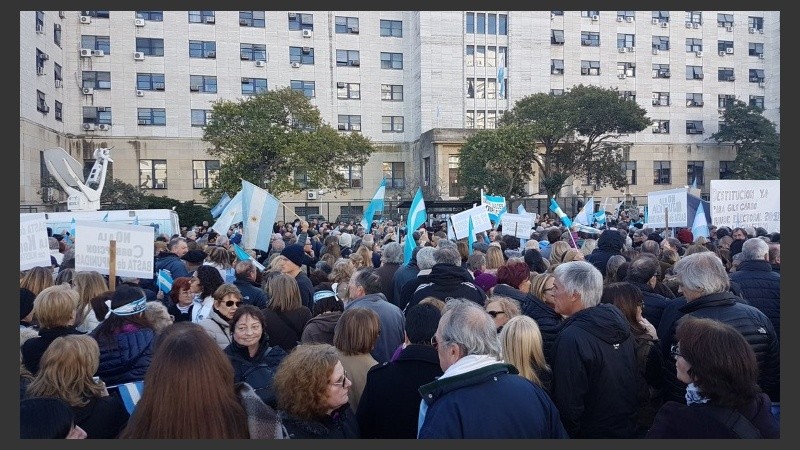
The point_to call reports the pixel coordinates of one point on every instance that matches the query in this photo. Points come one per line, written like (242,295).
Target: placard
(518,225)
(34,247)
(671,206)
(135,248)
(480,221)
(741,203)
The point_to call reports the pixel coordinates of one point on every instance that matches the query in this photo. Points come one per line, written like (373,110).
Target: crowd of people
(630,333)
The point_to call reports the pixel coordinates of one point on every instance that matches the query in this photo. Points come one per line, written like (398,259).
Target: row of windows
(628,69)
(661,43)
(690,17)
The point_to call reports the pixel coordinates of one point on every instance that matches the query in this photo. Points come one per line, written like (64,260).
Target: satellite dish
(59,160)
(84,194)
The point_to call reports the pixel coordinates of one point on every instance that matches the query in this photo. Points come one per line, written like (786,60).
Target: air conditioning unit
(619,18)
(194,88)
(699,76)
(139,22)
(295,65)
(722,53)
(242,21)
(342,126)
(40,70)
(139,93)
(688,24)
(142,122)
(699,54)
(261,63)
(622,49)
(88,91)
(729,29)
(732,78)
(86,52)
(656,130)
(244,56)
(292,15)
(353,29)
(104,127)
(355,63)
(45,109)
(595,17)
(59,83)
(307,33)
(211,19)
(211,55)
(44,56)
(62,15)
(655,51)
(621,76)
(88,126)
(761,84)
(729,50)
(655,21)
(340,84)
(138,56)
(159,86)
(695,25)
(629,19)
(751,30)
(86,19)
(306,49)
(760,31)
(311,195)
(631,49)
(98,53)
(664,24)
(760,56)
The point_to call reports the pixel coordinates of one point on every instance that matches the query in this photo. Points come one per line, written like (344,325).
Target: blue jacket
(393,324)
(259,370)
(492,402)
(170,261)
(126,357)
(761,287)
(251,294)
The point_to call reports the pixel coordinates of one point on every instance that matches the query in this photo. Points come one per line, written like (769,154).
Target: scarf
(693,395)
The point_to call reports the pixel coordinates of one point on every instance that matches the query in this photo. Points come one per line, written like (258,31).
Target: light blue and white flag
(586,215)
(244,256)
(600,217)
(501,76)
(416,217)
(376,204)
(231,214)
(470,236)
(105,218)
(587,229)
(561,214)
(521,209)
(130,394)
(495,205)
(700,224)
(164,280)
(220,206)
(259,210)
(694,182)
(136,220)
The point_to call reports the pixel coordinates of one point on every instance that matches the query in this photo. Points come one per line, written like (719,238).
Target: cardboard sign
(134,244)
(34,248)
(741,203)
(480,221)
(518,225)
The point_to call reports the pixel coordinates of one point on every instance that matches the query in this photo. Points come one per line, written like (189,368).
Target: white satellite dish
(84,195)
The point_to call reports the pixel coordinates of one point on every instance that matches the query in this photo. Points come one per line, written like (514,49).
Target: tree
(579,133)
(271,135)
(120,195)
(756,141)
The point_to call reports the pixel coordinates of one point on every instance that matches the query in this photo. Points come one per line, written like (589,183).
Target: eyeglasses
(435,342)
(675,351)
(342,381)
(495,313)
(230,303)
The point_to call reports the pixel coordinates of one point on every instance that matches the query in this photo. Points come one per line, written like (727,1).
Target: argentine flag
(416,217)
(471,236)
(164,280)
(244,256)
(376,204)
(231,214)
(586,215)
(700,224)
(496,205)
(220,206)
(259,210)
(557,209)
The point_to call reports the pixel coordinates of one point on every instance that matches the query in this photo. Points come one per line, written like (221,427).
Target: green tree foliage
(120,195)
(266,137)
(756,140)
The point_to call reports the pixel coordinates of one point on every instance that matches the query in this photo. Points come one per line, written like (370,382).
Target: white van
(163,221)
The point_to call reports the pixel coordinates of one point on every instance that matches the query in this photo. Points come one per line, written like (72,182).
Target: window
(661,71)
(556,92)
(152,116)
(57,76)
(150,46)
(661,172)
(96,43)
(352,210)
(96,80)
(302,55)
(302,179)
(41,102)
(426,171)
(724,20)
(694,173)
(393,92)
(491,24)
(150,81)
(491,118)
(628,69)
(352,175)
(480,55)
(757,101)
(470,23)
(660,98)
(298,21)
(346,25)
(203,83)
(349,122)
(305,211)
(590,39)
(661,126)
(661,43)
(502,24)
(252,86)
(201,117)
(725,74)
(455,189)
(469,55)
(97,115)
(628,95)
(590,13)
(626,40)
(392,124)
(40,21)
(694,99)
(479,87)
(694,72)
(694,17)
(395,175)
(202,49)
(391,28)
(557,37)
(756,75)
(348,91)
(724,100)
(253,52)
(662,16)
(391,60)
(204,173)
(40,59)
(481,23)
(557,66)
(153,173)
(694,45)
(252,19)
(726,170)
(625,14)
(202,17)
(57,34)
(307,88)
(630,171)
(590,67)
(152,16)
(725,47)
(694,127)
(346,58)
(755,49)
(96,14)
(756,23)
(59,111)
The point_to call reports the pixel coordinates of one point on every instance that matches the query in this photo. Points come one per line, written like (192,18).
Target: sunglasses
(495,313)
(230,303)
(675,351)
(342,381)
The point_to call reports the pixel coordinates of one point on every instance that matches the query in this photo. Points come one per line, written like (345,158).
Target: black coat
(257,371)
(550,323)
(386,273)
(609,244)
(389,404)
(102,418)
(761,287)
(449,281)
(654,303)
(33,348)
(252,294)
(402,275)
(341,424)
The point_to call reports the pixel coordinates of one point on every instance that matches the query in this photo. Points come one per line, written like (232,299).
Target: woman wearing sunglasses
(227,298)
(502,309)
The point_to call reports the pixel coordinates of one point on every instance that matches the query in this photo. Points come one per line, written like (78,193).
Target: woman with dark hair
(227,299)
(326,313)
(180,301)
(47,418)
(254,360)
(205,280)
(207,405)
(355,337)
(125,337)
(723,398)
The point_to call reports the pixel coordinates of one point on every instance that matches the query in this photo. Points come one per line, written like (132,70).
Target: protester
(355,337)
(88,284)
(760,285)
(204,282)
(327,311)
(285,316)
(47,418)
(448,280)
(364,290)
(227,299)
(180,301)
(171,259)
(54,310)
(245,281)
(521,344)
(295,258)
(502,309)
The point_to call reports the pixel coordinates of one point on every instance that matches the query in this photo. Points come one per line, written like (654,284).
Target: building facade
(418,83)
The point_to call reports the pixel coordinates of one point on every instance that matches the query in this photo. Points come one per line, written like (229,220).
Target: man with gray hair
(425,263)
(391,259)
(479,396)
(760,285)
(595,376)
(448,280)
(364,291)
(643,274)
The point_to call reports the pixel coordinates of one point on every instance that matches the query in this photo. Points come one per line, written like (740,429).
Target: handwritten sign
(34,248)
(480,221)
(134,245)
(518,225)
(668,205)
(741,203)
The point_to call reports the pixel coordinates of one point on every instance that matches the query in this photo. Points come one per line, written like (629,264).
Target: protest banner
(34,248)
(741,203)
(134,248)
(671,201)
(480,221)
(518,225)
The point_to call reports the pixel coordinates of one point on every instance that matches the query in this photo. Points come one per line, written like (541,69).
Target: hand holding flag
(164,281)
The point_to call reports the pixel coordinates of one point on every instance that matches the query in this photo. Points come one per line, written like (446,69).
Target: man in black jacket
(760,285)
(252,294)
(609,244)
(448,280)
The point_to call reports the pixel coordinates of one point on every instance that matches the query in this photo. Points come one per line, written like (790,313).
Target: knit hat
(26,298)
(127,300)
(294,253)
(685,236)
(195,256)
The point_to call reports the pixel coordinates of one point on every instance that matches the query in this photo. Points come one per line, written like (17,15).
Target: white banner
(518,225)
(741,203)
(34,248)
(669,205)
(480,221)
(134,243)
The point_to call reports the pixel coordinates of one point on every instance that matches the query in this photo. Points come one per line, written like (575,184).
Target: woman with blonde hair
(285,316)
(66,372)
(88,285)
(36,279)
(357,260)
(588,246)
(494,259)
(541,309)
(522,346)
(366,255)
(355,336)
(54,310)
(557,251)
(573,254)
(502,309)
(227,299)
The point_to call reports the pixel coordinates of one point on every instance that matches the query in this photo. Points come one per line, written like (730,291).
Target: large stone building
(418,83)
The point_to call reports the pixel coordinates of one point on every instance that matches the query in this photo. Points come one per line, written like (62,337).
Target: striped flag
(220,206)
(496,205)
(586,214)
(164,280)
(244,256)
(416,217)
(231,214)
(130,394)
(259,210)
(470,236)
(563,216)
(376,204)
(700,224)
(105,218)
